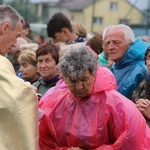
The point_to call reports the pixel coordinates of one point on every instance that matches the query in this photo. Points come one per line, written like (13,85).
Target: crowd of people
(72,93)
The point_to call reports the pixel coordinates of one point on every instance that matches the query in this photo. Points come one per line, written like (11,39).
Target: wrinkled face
(116,45)
(8,37)
(47,66)
(28,71)
(83,86)
(148,63)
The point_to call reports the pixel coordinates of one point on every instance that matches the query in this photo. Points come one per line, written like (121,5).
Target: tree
(24,7)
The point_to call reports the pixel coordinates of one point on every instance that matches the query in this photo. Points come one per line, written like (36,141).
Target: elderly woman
(28,66)
(47,58)
(90,113)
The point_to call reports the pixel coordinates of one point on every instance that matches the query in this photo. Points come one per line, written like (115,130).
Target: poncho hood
(105,78)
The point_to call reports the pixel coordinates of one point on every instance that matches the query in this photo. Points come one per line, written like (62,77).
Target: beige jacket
(18,111)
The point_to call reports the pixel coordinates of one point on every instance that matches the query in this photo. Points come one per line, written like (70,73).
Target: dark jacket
(142,91)
(43,86)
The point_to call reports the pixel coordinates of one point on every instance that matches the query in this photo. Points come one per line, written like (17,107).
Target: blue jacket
(131,70)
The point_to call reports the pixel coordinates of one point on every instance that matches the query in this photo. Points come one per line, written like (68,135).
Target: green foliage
(24,7)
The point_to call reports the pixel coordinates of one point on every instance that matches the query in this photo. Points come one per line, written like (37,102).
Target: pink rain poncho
(104,121)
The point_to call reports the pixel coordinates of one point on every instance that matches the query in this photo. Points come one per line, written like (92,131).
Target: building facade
(94,14)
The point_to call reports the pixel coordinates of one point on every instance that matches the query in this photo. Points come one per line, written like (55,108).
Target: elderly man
(128,55)
(90,113)
(18,103)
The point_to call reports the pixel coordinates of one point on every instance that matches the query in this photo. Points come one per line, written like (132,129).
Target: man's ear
(5,28)
(64,30)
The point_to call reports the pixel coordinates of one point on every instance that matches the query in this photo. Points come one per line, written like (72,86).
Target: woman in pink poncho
(90,113)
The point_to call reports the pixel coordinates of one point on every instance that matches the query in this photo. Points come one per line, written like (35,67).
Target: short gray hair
(76,61)
(128,32)
(10,15)
(105,31)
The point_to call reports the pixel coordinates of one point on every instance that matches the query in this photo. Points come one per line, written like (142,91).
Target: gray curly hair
(76,61)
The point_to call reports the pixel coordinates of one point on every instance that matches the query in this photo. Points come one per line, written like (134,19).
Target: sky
(141,4)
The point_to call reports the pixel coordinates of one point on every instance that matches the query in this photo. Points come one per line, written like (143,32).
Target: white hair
(128,32)
(105,31)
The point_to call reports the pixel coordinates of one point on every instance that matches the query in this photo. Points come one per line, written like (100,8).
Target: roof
(140,4)
(134,5)
(43,1)
(77,5)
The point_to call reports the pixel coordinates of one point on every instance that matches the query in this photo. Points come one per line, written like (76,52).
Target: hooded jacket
(105,120)
(18,111)
(131,70)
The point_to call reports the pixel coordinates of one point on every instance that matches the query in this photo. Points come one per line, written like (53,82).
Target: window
(113,6)
(97,21)
(124,21)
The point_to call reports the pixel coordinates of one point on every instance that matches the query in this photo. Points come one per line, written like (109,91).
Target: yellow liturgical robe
(18,111)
